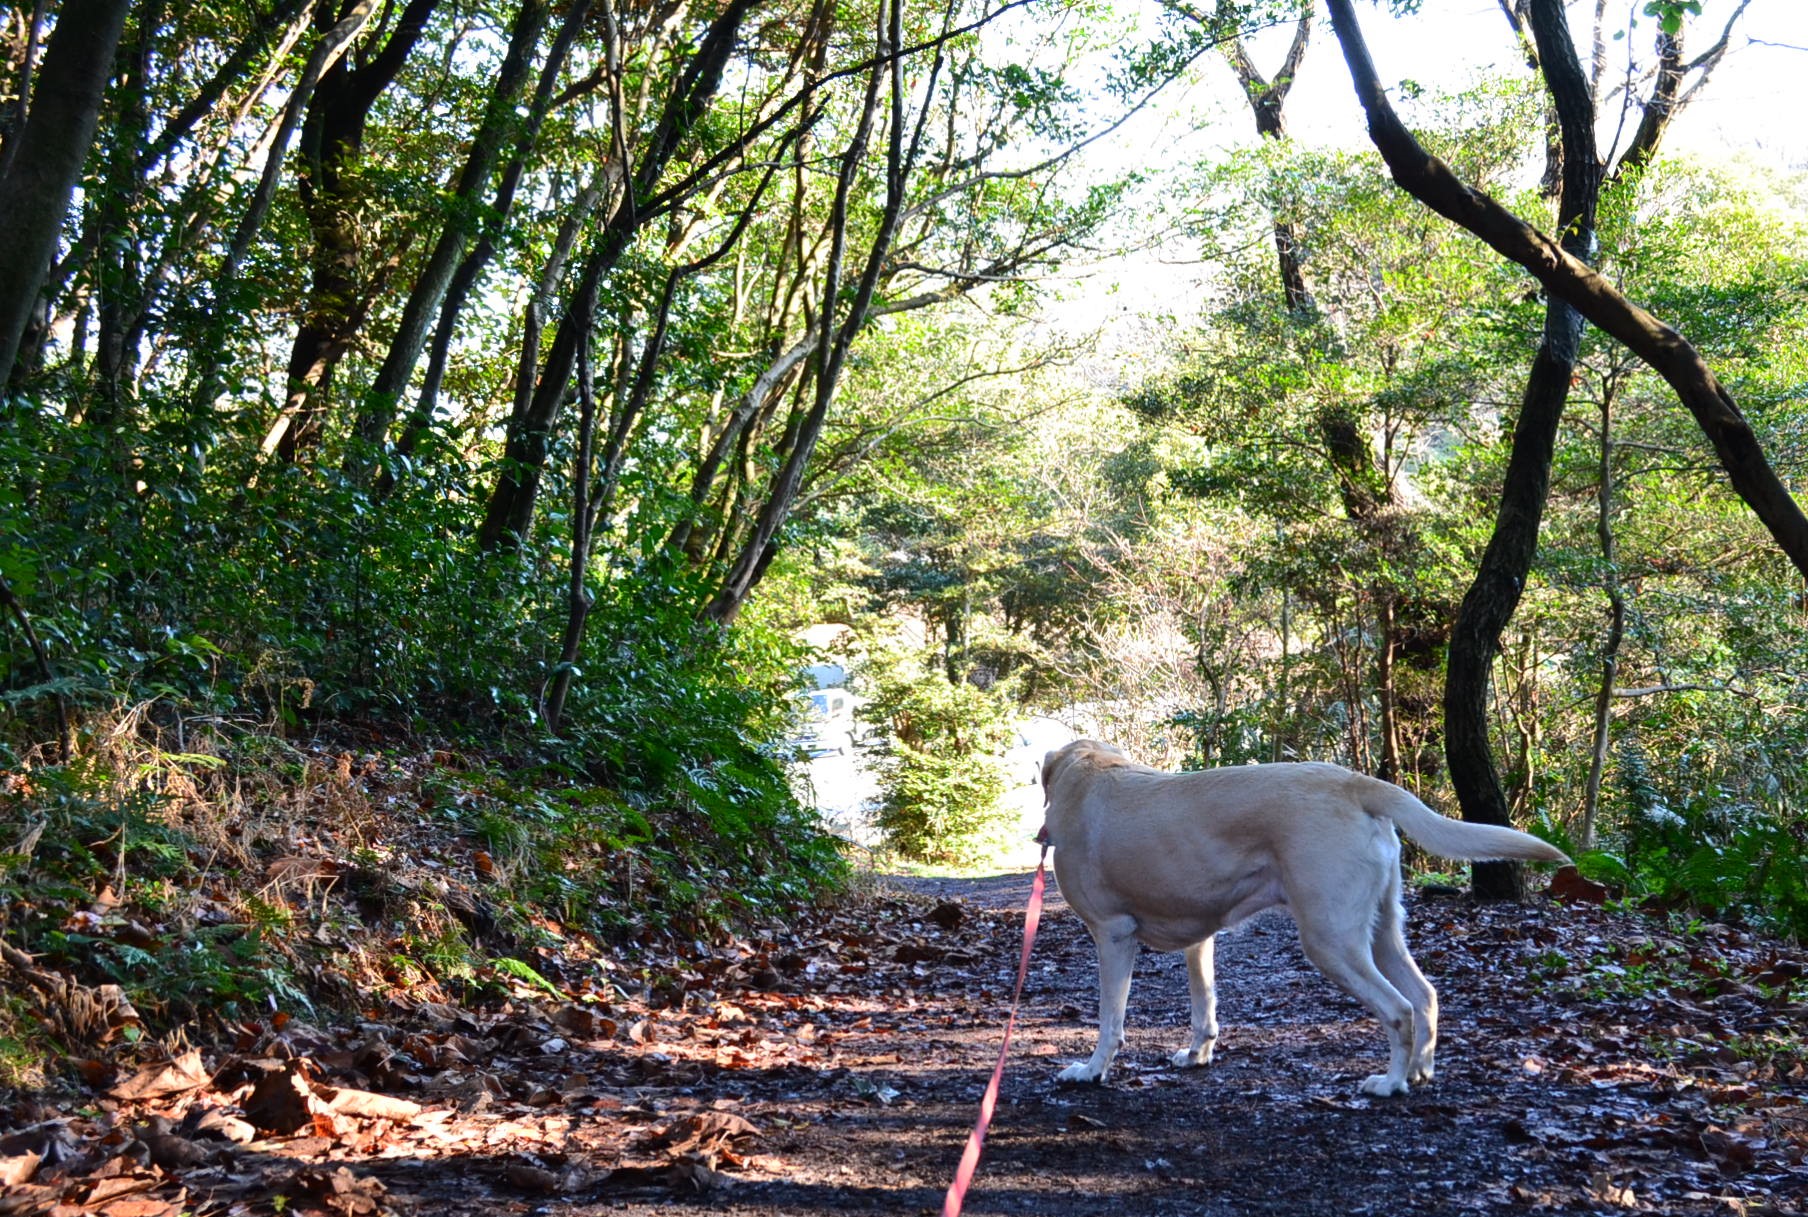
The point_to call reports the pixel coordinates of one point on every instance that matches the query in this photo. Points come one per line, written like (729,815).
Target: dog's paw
(1186,1058)
(1381,1085)
(1080,1071)
(1419,1075)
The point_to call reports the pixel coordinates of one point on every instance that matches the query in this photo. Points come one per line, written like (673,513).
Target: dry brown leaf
(174,1153)
(29,1198)
(213,1122)
(52,1143)
(281,1102)
(142,1206)
(1569,886)
(697,1172)
(702,1128)
(369,1105)
(17,1168)
(178,1076)
(340,1191)
(107,1190)
(297,868)
(531,1178)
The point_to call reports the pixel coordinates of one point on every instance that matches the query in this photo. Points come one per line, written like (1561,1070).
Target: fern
(522,972)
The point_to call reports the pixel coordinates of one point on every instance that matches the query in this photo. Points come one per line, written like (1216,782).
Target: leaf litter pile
(1592,1060)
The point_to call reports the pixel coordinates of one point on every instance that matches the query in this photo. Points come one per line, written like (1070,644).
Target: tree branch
(1433,183)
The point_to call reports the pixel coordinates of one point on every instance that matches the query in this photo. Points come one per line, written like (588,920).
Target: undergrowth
(272,744)
(1702,847)
(254,878)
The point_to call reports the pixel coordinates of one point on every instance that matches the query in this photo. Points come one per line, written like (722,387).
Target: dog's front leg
(1117,957)
(1205,1006)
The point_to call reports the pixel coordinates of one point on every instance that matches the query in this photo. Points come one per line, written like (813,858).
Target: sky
(1757,98)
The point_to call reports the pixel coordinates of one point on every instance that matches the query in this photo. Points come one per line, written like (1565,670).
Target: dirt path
(1590,1062)
(1275,1124)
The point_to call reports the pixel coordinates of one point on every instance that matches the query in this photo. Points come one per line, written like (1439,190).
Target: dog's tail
(1449,838)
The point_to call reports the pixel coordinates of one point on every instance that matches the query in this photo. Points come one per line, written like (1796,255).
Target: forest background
(444,415)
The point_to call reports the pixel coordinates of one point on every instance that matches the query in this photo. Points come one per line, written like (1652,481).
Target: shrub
(941,783)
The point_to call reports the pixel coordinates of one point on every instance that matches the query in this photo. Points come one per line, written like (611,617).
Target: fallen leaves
(340,1191)
(558,1094)
(165,1078)
(826,1052)
(1569,886)
(1665,1057)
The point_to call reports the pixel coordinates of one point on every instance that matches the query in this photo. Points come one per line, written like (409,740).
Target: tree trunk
(1268,101)
(1575,288)
(529,436)
(1494,594)
(45,155)
(118,285)
(378,410)
(340,293)
(579,601)
(1616,630)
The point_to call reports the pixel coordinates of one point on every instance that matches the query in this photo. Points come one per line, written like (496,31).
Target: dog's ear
(1054,762)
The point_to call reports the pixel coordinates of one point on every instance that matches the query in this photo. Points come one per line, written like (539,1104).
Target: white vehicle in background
(828,724)
(1034,739)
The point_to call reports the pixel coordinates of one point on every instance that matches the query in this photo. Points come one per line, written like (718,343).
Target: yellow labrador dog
(1169,859)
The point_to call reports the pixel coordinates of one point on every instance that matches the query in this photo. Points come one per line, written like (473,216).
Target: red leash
(976,1140)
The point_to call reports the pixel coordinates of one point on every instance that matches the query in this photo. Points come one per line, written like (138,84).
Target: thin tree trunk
(1616,631)
(1283,690)
(264,26)
(758,553)
(1268,101)
(45,157)
(14,121)
(532,325)
(1389,770)
(578,601)
(771,380)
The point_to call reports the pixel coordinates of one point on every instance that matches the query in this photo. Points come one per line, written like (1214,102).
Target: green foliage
(1670,13)
(217,523)
(1705,847)
(104,853)
(516,970)
(1349,455)
(940,782)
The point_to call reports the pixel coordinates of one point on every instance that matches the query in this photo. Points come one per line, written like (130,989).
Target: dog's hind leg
(1204,992)
(1396,963)
(1117,957)
(1336,931)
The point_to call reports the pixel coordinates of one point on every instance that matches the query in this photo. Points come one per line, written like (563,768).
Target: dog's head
(1061,758)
